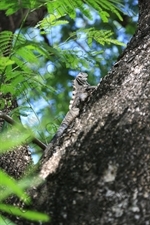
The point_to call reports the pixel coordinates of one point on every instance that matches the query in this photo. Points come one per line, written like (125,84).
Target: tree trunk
(100,170)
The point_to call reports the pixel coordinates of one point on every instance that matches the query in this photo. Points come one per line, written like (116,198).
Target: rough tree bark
(100,172)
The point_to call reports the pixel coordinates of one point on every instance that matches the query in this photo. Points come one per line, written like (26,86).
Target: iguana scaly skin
(81,90)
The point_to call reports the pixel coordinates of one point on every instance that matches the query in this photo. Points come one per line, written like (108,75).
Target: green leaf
(7,88)
(90,41)
(5,221)
(104,15)
(13,6)
(51,21)
(27,214)
(10,186)
(5,61)
(104,6)
(6,38)
(101,36)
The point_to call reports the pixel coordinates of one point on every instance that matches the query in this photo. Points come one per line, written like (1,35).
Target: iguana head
(81,80)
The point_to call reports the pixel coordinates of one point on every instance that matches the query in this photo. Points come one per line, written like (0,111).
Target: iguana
(81,90)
